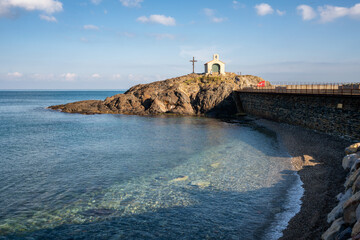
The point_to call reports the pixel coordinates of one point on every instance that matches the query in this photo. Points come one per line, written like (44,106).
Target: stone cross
(193,62)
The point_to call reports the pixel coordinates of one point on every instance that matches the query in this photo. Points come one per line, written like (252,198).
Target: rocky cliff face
(192,94)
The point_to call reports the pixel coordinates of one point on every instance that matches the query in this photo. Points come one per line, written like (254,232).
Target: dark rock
(352,178)
(356,237)
(353,148)
(334,230)
(349,160)
(344,235)
(350,208)
(356,229)
(356,185)
(335,213)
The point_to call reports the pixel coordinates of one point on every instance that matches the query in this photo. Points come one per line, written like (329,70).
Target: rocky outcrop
(193,94)
(345,217)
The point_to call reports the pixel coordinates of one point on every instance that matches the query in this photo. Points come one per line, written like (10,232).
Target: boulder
(356,185)
(338,210)
(335,213)
(350,208)
(356,237)
(350,181)
(356,164)
(349,160)
(342,197)
(353,148)
(356,229)
(358,213)
(345,234)
(334,230)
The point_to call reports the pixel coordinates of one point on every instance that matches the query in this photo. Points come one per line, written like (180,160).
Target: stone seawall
(332,114)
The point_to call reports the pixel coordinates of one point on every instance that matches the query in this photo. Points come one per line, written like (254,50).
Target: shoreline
(317,159)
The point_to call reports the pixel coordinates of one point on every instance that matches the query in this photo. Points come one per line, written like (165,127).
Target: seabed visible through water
(114,176)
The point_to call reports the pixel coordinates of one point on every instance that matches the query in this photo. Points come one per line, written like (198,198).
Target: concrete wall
(336,115)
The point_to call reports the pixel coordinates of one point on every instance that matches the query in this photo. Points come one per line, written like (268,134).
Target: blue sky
(114,44)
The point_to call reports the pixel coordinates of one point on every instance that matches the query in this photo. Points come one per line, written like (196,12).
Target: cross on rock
(193,63)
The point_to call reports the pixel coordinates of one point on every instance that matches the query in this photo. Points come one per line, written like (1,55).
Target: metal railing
(325,89)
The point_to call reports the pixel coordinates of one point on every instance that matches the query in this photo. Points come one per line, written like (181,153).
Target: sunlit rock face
(193,94)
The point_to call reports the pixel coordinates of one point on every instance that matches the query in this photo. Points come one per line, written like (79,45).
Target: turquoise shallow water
(115,176)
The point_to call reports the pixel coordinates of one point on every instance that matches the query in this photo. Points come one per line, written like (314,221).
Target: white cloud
(69,76)
(218,20)
(306,12)
(128,34)
(15,75)
(91,27)
(96,2)
(48,6)
(160,19)
(280,13)
(237,5)
(329,13)
(211,14)
(131,3)
(161,36)
(264,9)
(48,18)
(96,75)
(355,11)
(117,76)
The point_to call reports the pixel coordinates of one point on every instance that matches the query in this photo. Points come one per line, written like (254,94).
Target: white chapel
(215,66)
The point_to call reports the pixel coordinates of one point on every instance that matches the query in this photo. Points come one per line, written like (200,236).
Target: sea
(73,176)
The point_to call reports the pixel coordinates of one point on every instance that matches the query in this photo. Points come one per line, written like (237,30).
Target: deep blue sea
(72,176)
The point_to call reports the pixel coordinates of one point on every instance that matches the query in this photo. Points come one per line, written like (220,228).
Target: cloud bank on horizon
(61,43)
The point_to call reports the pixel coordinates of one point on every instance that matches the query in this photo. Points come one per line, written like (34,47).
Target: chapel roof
(214,60)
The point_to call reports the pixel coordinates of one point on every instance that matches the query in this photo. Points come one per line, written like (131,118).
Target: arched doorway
(215,68)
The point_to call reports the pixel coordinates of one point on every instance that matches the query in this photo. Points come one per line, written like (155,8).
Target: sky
(115,44)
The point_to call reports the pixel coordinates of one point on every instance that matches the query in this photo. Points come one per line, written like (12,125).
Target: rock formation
(193,94)
(345,217)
